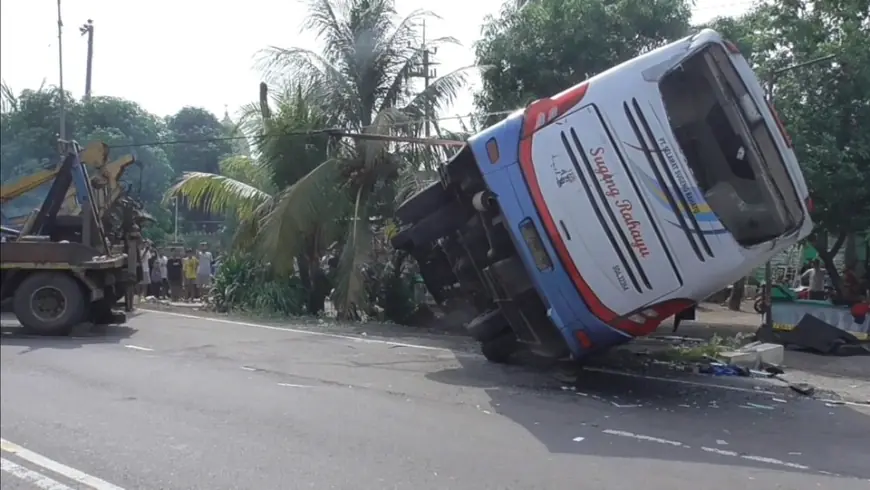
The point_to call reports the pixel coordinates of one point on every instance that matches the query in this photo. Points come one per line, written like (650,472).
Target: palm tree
(248,188)
(360,80)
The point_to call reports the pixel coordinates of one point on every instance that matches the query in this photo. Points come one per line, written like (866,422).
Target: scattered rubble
(754,355)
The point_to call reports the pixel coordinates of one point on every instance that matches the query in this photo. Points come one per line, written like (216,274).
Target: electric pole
(88,29)
(60,69)
(427,73)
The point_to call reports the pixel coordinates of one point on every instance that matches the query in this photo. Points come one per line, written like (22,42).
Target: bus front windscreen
(730,148)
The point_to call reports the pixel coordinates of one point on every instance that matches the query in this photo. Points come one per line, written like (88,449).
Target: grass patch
(701,351)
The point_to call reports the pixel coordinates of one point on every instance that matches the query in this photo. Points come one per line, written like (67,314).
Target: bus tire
(49,303)
(487,326)
(423,203)
(501,349)
(434,225)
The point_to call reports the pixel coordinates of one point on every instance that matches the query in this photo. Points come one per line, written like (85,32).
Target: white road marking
(136,347)
(759,459)
(300,331)
(291,385)
(641,437)
(30,476)
(720,452)
(443,349)
(845,402)
(678,381)
(55,467)
(579,439)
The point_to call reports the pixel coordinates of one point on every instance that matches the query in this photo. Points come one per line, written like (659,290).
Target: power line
(334,132)
(728,5)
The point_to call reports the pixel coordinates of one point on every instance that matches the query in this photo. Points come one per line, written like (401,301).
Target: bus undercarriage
(456,232)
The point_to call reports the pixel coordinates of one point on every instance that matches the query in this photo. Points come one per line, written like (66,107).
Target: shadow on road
(84,334)
(685,417)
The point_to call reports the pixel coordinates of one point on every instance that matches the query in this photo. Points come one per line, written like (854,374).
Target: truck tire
(423,203)
(49,303)
(501,349)
(487,326)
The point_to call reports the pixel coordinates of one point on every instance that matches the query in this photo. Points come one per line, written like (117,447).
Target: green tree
(825,106)
(546,46)
(248,189)
(199,143)
(123,124)
(29,132)
(201,140)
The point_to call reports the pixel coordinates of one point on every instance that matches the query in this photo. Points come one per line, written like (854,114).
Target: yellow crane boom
(105,180)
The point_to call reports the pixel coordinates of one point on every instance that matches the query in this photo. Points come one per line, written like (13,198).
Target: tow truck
(58,273)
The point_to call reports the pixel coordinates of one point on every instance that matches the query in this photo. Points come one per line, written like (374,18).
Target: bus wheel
(423,203)
(436,224)
(501,349)
(49,303)
(487,326)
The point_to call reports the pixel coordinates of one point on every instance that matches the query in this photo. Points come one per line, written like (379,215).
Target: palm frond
(217,194)
(8,96)
(439,95)
(328,82)
(248,171)
(313,200)
(330,28)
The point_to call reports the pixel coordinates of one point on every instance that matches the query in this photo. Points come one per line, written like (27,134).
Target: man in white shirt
(203,272)
(144,257)
(815,277)
(163,263)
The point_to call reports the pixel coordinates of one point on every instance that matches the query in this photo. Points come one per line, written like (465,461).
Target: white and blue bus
(588,218)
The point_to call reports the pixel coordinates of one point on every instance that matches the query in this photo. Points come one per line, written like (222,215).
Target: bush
(244,283)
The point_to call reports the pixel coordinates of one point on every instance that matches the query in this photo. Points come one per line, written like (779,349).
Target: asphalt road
(177,402)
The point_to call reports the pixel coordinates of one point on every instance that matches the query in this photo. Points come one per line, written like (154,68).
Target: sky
(167,54)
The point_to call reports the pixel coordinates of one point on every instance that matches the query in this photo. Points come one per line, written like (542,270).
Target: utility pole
(62,133)
(427,75)
(88,29)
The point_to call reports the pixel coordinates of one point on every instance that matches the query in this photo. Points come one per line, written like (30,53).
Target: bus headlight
(536,245)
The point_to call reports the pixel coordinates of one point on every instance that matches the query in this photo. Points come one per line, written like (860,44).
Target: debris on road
(754,355)
(759,406)
(802,388)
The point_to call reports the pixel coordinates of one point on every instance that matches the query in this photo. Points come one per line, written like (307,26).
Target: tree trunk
(320,288)
(827,256)
(305,278)
(850,249)
(736,297)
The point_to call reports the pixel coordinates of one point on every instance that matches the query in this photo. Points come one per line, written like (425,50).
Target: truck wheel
(423,203)
(487,326)
(501,349)
(49,303)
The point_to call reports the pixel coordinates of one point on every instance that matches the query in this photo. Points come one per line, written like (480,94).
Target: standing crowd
(175,273)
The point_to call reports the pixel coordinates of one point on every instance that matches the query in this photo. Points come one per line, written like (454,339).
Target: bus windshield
(730,148)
